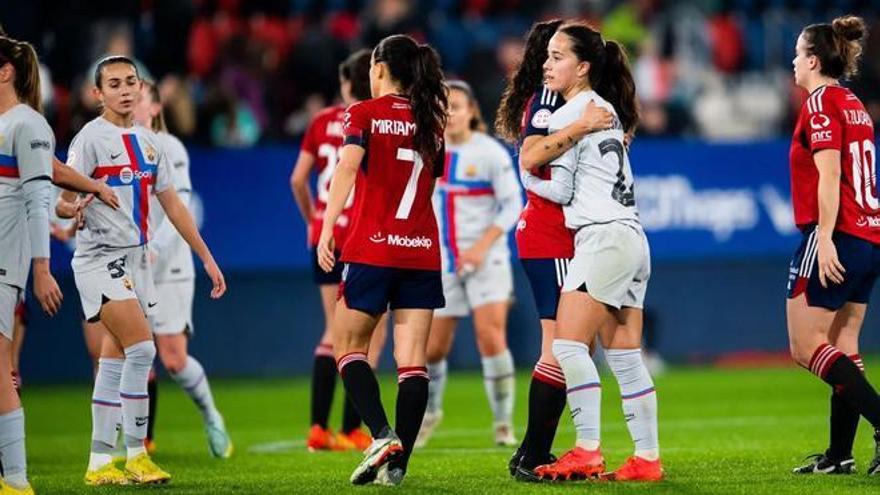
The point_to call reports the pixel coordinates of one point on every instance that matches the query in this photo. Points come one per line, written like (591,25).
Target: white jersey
(597,169)
(175,260)
(26,149)
(133,161)
(478,189)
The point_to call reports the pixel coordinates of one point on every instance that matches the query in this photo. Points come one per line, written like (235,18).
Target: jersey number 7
(409,194)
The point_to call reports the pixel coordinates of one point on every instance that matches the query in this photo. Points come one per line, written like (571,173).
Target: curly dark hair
(526,81)
(838,45)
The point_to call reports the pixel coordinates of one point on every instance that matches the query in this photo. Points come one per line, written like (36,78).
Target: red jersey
(541,232)
(834,118)
(393,222)
(323,139)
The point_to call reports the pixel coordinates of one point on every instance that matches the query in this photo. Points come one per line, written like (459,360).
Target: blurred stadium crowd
(243,72)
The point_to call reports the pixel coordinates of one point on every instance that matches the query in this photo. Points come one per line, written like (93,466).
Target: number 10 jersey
(393,223)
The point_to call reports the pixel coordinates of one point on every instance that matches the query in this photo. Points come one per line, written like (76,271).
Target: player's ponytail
(23,58)
(617,86)
(838,45)
(525,82)
(609,74)
(416,68)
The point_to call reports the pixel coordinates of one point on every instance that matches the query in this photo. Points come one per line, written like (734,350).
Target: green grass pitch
(721,431)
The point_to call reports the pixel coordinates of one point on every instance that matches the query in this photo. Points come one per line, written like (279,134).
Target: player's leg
(12,442)
(93,334)
(323,376)
(352,434)
(153,393)
(490,326)
(106,414)
(440,340)
(18,334)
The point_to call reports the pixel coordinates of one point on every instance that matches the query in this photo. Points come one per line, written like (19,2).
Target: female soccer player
(174,276)
(394,150)
(320,149)
(26,152)
(835,201)
(544,244)
(112,268)
(477,202)
(604,289)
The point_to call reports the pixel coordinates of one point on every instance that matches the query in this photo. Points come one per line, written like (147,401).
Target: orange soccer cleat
(636,469)
(320,439)
(360,439)
(576,464)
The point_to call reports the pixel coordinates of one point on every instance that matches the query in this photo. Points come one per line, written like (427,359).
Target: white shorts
(174,312)
(124,274)
(9,299)
(613,261)
(491,283)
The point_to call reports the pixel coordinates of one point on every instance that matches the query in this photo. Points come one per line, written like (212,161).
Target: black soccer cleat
(513,463)
(874,466)
(525,471)
(821,464)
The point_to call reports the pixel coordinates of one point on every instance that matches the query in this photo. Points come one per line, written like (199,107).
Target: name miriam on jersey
(393,127)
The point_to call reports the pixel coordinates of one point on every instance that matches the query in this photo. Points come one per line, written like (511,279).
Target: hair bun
(850,28)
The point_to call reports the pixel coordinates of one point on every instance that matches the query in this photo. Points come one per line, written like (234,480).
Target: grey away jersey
(175,260)
(602,186)
(27,145)
(478,189)
(134,163)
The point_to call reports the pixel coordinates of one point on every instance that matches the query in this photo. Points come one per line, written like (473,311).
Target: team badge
(541,119)
(151,153)
(128,283)
(470,171)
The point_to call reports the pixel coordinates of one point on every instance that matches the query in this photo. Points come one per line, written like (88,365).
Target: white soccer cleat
(429,423)
(389,477)
(504,435)
(381,452)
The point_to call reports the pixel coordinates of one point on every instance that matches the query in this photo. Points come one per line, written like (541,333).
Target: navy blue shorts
(546,276)
(374,289)
(859,258)
(320,276)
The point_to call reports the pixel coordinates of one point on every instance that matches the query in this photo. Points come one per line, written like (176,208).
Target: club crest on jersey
(127,283)
(151,153)
(819,121)
(541,119)
(470,171)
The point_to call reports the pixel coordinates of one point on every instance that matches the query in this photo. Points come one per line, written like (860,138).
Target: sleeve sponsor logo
(541,119)
(40,143)
(819,121)
(820,136)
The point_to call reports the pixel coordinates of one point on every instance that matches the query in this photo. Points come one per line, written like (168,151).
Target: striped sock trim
(636,395)
(585,386)
(824,356)
(857,360)
(324,350)
(106,403)
(496,378)
(349,358)
(549,374)
(412,372)
(134,396)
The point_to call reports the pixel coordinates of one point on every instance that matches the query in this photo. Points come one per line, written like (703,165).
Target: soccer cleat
(381,452)
(525,470)
(874,466)
(504,435)
(150,445)
(6,488)
(513,463)
(142,470)
(218,441)
(108,474)
(358,438)
(821,464)
(429,423)
(576,464)
(389,476)
(636,469)
(319,439)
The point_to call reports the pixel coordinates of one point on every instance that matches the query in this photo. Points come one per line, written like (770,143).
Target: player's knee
(141,353)
(547,357)
(800,353)
(173,360)
(434,353)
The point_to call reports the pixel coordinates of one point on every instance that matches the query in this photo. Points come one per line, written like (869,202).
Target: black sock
(849,382)
(546,403)
(351,420)
(153,392)
(323,385)
(412,399)
(844,424)
(363,389)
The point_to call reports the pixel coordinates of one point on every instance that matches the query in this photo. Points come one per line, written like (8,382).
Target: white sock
(106,410)
(639,400)
(97,461)
(194,381)
(499,381)
(584,390)
(12,449)
(133,394)
(436,385)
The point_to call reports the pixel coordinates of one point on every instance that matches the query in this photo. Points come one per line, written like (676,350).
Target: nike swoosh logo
(117,155)
(139,422)
(150,305)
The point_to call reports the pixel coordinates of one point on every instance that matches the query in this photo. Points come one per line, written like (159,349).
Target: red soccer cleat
(576,464)
(637,469)
(360,439)
(319,439)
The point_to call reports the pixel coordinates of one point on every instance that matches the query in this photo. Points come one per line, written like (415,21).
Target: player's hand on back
(326,251)
(596,118)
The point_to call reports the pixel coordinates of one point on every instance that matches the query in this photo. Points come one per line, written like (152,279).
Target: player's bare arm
(340,187)
(828,164)
(70,179)
(539,150)
(299,185)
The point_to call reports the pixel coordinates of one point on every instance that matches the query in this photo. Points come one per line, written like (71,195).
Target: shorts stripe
(809,255)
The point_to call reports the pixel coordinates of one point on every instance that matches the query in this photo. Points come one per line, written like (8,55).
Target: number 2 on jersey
(620,192)
(865,173)
(409,194)
(331,154)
